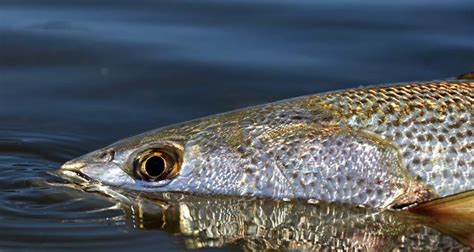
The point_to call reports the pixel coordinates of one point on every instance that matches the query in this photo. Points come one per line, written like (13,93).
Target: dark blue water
(76,75)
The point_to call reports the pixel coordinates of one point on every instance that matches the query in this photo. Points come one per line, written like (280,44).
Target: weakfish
(388,147)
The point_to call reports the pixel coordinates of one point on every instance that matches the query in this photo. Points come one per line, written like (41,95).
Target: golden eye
(157,165)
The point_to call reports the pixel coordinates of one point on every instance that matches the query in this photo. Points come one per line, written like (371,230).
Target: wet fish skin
(431,124)
(374,146)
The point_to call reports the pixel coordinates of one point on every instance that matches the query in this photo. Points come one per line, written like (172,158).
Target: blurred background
(76,75)
(115,68)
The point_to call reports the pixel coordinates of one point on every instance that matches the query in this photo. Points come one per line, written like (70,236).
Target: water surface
(77,75)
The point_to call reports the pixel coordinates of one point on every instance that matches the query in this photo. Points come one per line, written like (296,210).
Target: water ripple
(34,213)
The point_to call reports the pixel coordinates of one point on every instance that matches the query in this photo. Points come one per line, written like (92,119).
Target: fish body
(381,146)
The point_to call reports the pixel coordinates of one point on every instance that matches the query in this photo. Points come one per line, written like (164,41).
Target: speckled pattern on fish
(430,123)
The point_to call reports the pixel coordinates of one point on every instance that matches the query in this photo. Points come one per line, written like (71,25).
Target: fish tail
(452,215)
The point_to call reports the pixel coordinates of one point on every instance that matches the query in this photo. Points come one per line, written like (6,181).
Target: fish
(390,146)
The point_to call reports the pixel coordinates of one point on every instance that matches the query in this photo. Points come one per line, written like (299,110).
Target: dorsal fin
(466,76)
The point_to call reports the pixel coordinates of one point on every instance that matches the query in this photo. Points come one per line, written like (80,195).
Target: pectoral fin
(452,215)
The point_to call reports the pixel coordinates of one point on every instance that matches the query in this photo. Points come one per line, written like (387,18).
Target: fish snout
(71,170)
(72,165)
(94,158)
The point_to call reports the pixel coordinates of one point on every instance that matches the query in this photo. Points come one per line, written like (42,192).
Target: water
(77,75)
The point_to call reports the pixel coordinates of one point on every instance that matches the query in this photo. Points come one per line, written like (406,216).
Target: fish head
(200,156)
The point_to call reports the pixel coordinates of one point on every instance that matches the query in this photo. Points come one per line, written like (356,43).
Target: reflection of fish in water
(380,147)
(265,224)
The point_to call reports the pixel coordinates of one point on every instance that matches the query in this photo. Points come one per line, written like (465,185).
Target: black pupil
(155,166)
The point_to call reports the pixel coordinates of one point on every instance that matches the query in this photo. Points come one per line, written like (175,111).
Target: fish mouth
(71,171)
(73,176)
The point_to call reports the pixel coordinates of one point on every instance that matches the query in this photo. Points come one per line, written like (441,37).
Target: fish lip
(72,172)
(73,176)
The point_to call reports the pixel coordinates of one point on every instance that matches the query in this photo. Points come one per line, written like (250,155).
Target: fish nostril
(106,156)
(72,165)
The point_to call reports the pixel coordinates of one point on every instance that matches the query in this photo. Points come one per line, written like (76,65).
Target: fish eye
(156,165)
(153,166)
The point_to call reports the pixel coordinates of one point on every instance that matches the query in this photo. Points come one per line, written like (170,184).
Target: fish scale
(431,124)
